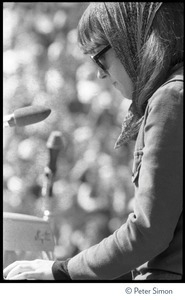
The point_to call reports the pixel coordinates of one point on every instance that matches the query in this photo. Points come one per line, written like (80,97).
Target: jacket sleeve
(158,198)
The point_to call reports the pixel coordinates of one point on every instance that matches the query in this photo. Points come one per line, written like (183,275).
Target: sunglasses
(96,58)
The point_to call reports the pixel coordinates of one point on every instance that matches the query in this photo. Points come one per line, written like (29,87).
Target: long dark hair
(161,52)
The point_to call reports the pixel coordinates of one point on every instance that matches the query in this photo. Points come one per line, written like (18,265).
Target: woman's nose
(101,74)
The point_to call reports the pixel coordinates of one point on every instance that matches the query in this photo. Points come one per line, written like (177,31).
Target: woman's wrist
(60,270)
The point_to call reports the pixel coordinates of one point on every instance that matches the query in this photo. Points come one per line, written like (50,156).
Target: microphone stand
(47,193)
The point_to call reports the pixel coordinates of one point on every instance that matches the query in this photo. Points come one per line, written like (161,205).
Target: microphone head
(54,144)
(30,115)
(54,141)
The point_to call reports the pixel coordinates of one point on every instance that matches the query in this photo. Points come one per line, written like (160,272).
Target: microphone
(26,116)
(54,145)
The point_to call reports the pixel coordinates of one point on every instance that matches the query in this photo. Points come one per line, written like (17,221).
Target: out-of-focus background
(43,65)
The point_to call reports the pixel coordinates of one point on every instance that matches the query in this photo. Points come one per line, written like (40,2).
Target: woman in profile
(137,47)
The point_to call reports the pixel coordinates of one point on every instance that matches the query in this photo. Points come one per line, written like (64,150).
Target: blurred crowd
(43,65)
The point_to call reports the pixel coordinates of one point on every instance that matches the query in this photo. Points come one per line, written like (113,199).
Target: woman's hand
(37,269)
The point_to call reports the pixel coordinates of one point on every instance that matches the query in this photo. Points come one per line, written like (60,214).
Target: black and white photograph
(93,149)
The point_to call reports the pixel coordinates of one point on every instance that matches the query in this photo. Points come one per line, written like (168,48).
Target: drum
(26,237)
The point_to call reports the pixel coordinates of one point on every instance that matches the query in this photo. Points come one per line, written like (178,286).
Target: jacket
(151,238)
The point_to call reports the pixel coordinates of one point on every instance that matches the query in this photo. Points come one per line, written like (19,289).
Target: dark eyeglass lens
(99,58)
